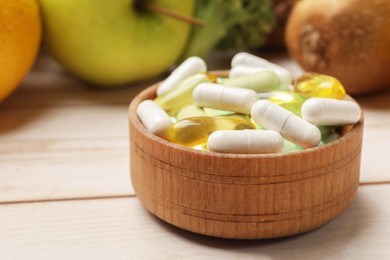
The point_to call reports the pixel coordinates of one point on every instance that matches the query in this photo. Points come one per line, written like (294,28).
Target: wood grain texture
(376,142)
(77,159)
(53,127)
(243,196)
(61,139)
(123,229)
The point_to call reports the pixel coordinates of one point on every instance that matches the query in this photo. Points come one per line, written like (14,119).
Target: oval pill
(327,111)
(245,141)
(285,81)
(181,95)
(226,98)
(274,117)
(249,60)
(189,67)
(194,132)
(319,85)
(153,117)
(190,111)
(243,70)
(261,81)
(289,100)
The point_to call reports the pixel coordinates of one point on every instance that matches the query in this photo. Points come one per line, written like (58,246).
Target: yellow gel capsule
(258,127)
(318,85)
(289,100)
(193,132)
(190,111)
(181,95)
(212,77)
(259,82)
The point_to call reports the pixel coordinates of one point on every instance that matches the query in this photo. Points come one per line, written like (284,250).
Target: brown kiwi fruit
(281,10)
(348,39)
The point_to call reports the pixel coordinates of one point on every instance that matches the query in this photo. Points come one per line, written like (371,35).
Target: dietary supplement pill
(249,60)
(189,67)
(289,100)
(226,98)
(245,141)
(181,95)
(190,111)
(318,85)
(274,117)
(327,111)
(153,117)
(194,132)
(261,81)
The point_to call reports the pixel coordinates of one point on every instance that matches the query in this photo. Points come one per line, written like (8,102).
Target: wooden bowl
(243,196)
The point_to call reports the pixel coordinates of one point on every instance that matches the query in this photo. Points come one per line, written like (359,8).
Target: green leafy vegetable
(230,24)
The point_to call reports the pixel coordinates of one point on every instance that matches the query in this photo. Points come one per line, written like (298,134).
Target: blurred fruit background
(116,43)
(132,41)
(109,43)
(20,35)
(348,39)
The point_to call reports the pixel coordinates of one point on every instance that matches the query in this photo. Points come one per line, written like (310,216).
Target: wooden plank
(64,122)
(122,229)
(376,141)
(64,152)
(62,139)
(64,168)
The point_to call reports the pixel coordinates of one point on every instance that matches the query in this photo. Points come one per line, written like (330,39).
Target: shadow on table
(322,242)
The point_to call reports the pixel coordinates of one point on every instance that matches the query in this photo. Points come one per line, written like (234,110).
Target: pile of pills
(257,109)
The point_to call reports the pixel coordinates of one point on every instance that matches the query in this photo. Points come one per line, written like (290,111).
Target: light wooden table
(65,189)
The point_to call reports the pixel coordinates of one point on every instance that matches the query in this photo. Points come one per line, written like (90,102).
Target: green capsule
(290,147)
(259,82)
(190,111)
(193,132)
(181,95)
(329,137)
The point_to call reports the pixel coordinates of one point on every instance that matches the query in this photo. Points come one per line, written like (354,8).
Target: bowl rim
(151,90)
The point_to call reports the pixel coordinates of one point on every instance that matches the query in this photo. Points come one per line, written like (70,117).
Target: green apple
(114,42)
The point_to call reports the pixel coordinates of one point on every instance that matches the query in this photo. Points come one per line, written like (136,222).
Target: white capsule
(189,67)
(245,141)
(274,117)
(239,71)
(261,81)
(226,98)
(249,60)
(153,117)
(328,111)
